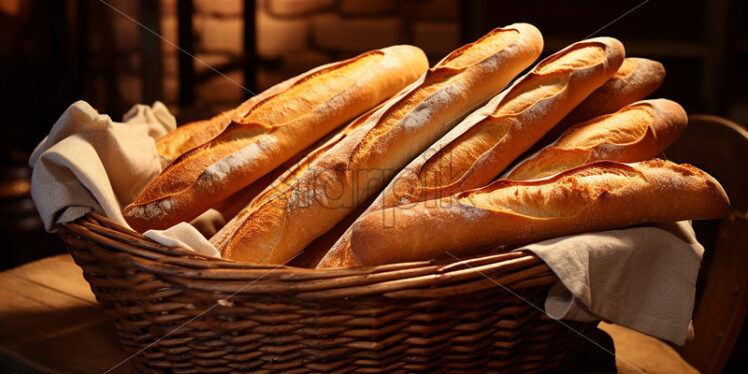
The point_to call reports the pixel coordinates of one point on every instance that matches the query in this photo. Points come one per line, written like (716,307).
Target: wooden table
(51,323)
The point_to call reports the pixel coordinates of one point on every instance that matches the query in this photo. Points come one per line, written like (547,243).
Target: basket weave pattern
(194,314)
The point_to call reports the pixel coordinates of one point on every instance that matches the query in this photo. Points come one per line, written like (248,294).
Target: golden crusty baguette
(282,176)
(489,140)
(636,79)
(635,133)
(193,134)
(598,196)
(314,251)
(257,194)
(271,132)
(232,205)
(356,167)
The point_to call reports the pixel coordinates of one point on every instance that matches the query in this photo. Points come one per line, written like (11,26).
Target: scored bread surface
(272,131)
(635,79)
(285,180)
(597,196)
(636,132)
(487,141)
(356,167)
(191,135)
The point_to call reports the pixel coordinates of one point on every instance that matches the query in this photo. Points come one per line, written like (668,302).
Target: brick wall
(296,35)
(300,34)
(293,36)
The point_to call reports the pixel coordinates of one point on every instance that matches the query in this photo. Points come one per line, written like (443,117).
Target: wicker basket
(185,313)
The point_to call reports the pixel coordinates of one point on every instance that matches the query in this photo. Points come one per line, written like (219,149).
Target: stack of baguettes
(381,159)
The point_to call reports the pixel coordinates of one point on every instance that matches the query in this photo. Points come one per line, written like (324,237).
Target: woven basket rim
(176,309)
(419,279)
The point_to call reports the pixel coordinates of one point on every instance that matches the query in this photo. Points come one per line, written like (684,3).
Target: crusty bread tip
(635,79)
(193,134)
(637,132)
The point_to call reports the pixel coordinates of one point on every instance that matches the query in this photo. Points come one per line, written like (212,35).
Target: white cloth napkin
(642,277)
(90,163)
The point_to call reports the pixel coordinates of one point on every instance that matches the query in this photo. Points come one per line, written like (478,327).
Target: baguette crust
(193,134)
(356,167)
(284,180)
(635,133)
(239,201)
(271,132)
(599,196)
(487,141)
(636,79)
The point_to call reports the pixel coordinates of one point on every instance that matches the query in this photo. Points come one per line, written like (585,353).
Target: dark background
(54,53)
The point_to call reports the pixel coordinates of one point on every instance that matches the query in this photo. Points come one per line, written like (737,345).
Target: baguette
(599,196)
(281,177)
(257,194)
(236,203)
(356,167)
(271,132)
(193,134)
(486,142)
(636,79)
(635,133)
(314,251)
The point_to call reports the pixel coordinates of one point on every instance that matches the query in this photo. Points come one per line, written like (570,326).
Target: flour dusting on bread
(153,209)
(223,168)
